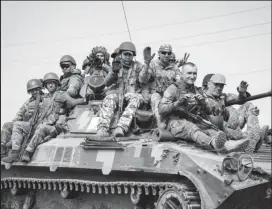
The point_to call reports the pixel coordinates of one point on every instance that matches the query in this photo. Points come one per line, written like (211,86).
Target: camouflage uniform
(50,121)
(23,115)
(94,71)
(177,123)
(128,79)
(235,120)
(72,83)
(162,76)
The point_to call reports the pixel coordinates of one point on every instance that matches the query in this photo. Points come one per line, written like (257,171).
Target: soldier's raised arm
(146,72)
(112,76)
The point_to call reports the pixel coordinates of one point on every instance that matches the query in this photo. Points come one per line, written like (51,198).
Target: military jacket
(52,105)
(26,111)
(127,80)
(162,76)
(72,83)
(167,106)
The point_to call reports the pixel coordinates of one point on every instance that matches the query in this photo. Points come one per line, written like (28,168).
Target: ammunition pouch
(162,135)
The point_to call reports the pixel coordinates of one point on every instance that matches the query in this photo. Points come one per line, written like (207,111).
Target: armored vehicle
(147,169)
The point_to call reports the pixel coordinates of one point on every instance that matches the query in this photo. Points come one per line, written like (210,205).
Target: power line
(250,72)
(224,40)
(139,29)
(200,19)
(126,21)
(204,34)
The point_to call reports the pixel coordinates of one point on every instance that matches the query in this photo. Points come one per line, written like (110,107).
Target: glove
(116,66)
(183,60)
(147,55)
(243,87)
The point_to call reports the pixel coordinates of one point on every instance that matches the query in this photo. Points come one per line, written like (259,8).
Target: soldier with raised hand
(185,95)
(71,80)
(51,121)
(16,130)
(234,120)
(124,84)
(161,74)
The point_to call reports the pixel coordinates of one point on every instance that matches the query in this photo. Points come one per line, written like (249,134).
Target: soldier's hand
(182,100)
(147,55)
(116,66)
(243,87)
(200,99)
(183,60)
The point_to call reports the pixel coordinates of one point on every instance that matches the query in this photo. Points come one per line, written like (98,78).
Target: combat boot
(264,132)
(13,156)
(3,151)
(218,140)
(26,157)
(235,146)
(102,132)
(119,132)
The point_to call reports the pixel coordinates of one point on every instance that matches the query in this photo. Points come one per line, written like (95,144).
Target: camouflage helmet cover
(165,48)
(99,49)
(218,78)
(127,46)
(33,84)
(67,58)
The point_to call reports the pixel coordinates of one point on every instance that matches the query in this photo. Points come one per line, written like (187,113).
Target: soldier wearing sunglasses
(161,74)
(71,80)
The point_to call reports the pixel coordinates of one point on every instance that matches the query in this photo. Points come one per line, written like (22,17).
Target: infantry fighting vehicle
(147,169)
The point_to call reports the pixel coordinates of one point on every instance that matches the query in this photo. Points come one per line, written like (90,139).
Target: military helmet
(165,48)
(116,51)
(99,49)
(206,79)
(33,84)
(68,58)
(218,78)
(51,77)
(128,46)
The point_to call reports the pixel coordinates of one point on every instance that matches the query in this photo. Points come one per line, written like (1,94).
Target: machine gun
(199,119)
(33,124)
(242,101)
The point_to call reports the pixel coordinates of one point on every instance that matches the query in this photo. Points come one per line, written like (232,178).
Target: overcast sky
(232,38)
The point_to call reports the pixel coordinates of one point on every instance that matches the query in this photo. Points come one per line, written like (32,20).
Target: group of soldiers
(164,84)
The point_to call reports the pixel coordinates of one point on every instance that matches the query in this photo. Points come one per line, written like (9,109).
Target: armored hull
(136,172)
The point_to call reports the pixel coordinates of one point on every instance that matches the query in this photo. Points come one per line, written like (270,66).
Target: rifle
(242,101)
(199,119)
(33,122)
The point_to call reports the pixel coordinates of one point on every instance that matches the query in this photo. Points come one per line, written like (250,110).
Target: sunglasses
(164,53)
(64,66)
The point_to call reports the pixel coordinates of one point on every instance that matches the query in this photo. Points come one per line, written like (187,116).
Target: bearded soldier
(49,122)
(71,80)
(184,94)
(34,86)
(123,84)
(234,120)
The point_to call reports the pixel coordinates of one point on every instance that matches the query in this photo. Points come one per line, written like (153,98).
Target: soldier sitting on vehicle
(48,122)
(123,84)
(161,74)
(183,95)
(97,67)
(71,80)
(24,115)
(230,120)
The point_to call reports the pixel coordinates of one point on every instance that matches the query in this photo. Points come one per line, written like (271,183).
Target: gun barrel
(241,101)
